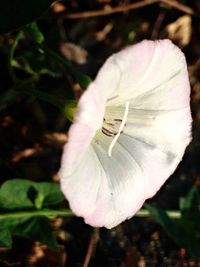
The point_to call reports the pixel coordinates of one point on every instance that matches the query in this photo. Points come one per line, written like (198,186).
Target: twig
(91,247)
(179,6)
(157,25)
(104,12)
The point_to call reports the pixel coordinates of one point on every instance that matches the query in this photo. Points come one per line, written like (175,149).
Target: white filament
(120,129)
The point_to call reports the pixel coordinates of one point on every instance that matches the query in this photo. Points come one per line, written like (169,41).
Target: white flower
(130,132)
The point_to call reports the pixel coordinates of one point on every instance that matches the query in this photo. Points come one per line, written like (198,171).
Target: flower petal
(152,77)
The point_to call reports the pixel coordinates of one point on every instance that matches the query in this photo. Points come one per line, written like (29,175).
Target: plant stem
(173,214)
(67,107)
(36,213)
(83,79)
(143,213)
(11,56)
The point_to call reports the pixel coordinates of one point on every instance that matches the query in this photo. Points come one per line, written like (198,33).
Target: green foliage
(33,30)
(24,211)
(22,194)
(38,61)
(29,227)
(16,13)
(186,230)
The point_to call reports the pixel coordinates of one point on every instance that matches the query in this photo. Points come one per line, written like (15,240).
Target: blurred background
(48,52)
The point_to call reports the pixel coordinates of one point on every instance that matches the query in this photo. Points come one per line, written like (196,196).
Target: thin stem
(143,213)
(82,79)
(36,213)
(173,214)
(92,246)
(179,6)
(110,11)
(68,107)
(11,56)
(128,7)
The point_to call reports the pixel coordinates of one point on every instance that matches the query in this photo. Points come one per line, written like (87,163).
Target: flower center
(114,128)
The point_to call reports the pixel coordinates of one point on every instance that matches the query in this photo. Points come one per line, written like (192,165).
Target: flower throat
(115,128)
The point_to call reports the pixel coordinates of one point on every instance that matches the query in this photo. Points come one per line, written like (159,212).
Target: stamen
(120,129)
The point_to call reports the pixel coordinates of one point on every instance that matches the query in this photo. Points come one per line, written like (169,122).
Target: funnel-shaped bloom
(131,129)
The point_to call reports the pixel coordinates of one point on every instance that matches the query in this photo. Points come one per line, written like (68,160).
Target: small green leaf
(24,194)
(191,202)
(5,238)
(33,30)
(39,200)
(49,192)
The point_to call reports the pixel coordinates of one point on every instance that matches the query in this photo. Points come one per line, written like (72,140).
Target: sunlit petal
(130,132)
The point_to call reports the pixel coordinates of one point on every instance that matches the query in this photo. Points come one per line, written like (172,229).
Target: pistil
(120,129)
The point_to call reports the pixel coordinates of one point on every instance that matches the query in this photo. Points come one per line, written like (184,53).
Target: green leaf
(191,202)
(11,52)
(7,98)
(35,228)
(25,194)
(33,224)
(48,193)
(24,212)
(36,64)
(182,231)
(33,30)
(16,13)
(68,107)
(161,217)
(5,238)
(83,79)
(14,194)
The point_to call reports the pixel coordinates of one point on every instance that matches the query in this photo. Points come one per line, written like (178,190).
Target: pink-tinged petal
(146,69)
(107,188)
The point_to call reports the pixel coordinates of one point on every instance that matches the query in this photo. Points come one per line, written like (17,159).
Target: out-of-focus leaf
(83,79)
(10,95)
(190,207)
(5,238)
(50,193)
(11,52)
(7,98)
(182,231)
(16,13)
(161,217)
(191,202)
(34,32)
(24,211)
(14,195)
(68,107)
(36,64)
(23,194)
(35,228)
